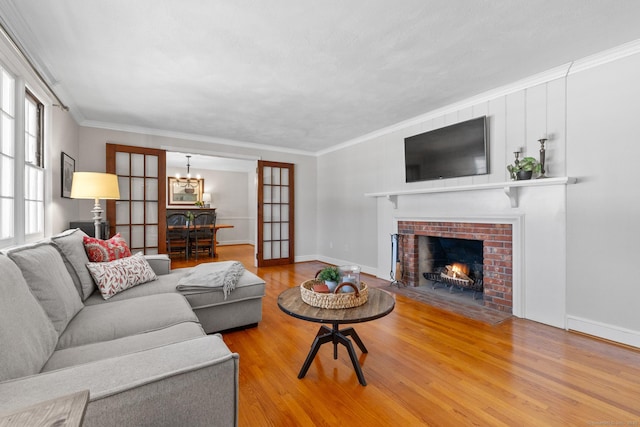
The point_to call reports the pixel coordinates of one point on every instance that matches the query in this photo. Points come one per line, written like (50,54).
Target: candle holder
(513,169)
(542,157)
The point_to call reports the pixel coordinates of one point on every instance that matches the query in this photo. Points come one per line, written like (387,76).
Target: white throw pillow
(116,276)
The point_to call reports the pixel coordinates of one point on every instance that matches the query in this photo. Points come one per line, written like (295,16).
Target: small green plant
(199,204)
(527,164)
(329,274)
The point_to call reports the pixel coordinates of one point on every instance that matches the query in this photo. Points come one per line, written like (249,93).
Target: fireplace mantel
(510,188)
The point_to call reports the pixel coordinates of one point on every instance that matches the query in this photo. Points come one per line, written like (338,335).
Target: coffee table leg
(352,354)
(353,334)
(317,342)
(336,337)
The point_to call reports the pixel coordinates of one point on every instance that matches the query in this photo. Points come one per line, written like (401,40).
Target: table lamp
(206,198)
(96,186)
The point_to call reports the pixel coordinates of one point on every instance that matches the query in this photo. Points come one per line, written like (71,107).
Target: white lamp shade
(206,197)
(94,185)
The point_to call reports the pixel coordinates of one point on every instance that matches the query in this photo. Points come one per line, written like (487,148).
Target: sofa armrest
(160,263)
(188,383)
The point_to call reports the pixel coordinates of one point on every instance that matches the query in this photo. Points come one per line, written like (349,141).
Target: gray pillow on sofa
(45,273)
(75,259)
(26,333)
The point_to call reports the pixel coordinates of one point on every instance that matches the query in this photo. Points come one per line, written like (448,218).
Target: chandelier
(189,184)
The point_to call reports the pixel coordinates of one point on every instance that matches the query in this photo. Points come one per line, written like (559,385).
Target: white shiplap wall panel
(515,116)
(556,147)
(499,156)
(536,120)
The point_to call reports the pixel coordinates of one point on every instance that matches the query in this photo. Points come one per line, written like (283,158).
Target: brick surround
(497,255)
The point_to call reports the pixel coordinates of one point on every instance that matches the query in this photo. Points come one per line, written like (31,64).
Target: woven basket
(333,301)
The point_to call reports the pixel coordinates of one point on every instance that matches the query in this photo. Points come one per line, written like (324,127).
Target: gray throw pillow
(75,259)
(27,335)
(44,271)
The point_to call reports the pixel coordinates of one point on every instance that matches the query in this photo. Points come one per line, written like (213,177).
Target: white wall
(603,290)
(92,158)
(64,137)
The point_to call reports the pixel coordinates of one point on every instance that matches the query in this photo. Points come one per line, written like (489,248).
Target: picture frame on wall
(178,196)
(68,167)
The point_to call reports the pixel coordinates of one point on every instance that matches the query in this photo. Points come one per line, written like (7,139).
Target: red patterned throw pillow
(124,273)
(99,250)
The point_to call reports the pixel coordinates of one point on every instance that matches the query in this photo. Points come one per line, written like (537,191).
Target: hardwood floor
(427,366)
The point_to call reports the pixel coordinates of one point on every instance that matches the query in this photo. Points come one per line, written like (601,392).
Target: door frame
(112,149)
(260,261)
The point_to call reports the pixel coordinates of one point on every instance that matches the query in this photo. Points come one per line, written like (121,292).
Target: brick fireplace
(497,248)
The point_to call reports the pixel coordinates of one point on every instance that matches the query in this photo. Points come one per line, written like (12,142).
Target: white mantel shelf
(510,188)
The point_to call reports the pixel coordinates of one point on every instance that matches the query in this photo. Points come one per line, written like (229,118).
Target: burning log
(458,271)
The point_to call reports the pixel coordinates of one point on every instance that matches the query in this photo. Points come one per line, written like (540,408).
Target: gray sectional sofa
(144,354)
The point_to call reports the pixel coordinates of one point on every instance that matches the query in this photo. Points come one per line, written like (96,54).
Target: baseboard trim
(604,330)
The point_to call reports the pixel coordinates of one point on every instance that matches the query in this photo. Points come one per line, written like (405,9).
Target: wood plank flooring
(427,366)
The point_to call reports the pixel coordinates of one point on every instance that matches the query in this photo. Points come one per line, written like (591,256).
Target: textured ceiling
(298,74)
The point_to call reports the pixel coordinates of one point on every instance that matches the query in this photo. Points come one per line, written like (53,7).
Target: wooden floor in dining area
(426,366)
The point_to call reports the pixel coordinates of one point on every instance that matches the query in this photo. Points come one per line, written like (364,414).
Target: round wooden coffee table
(379,304)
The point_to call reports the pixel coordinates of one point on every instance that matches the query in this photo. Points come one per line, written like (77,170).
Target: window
(33,165)
(22,161)
(7,155)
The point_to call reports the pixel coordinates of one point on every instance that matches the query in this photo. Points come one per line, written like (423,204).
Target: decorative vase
(524,175)
(331,285)
(349,274)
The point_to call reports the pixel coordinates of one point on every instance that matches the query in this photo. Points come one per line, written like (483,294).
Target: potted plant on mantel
(330,275)
(524,169)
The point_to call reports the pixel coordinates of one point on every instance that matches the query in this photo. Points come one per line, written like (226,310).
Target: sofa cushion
(45,273)
(27,335)
(99,250)
(75,258)
(124,273)
(102,350)
(113,320)
(165,284)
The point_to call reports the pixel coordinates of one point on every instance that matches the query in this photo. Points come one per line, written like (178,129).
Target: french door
(275,214)
(140,213)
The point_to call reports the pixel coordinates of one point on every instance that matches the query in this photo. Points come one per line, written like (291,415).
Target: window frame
(34,167)
(24,82)
(39,149)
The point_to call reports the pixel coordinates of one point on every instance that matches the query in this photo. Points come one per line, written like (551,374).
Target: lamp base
(97,217)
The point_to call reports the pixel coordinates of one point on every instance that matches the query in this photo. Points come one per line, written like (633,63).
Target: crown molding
(191,137)
(604,57)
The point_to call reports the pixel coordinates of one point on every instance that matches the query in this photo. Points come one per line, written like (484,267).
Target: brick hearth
(497,253)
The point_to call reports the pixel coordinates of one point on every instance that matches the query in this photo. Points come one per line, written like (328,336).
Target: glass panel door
(140,213)
(275,213)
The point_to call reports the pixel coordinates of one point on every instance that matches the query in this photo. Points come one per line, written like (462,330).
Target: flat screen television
(449,152)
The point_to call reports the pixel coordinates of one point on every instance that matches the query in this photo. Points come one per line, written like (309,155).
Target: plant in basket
(330,275)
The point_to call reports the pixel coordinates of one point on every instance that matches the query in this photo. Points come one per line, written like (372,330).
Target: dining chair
(202,235)
(178,234)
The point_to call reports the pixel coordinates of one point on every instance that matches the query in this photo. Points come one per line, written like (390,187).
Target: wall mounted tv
(449,152)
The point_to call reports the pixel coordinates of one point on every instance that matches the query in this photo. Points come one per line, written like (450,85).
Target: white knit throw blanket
(213,275)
